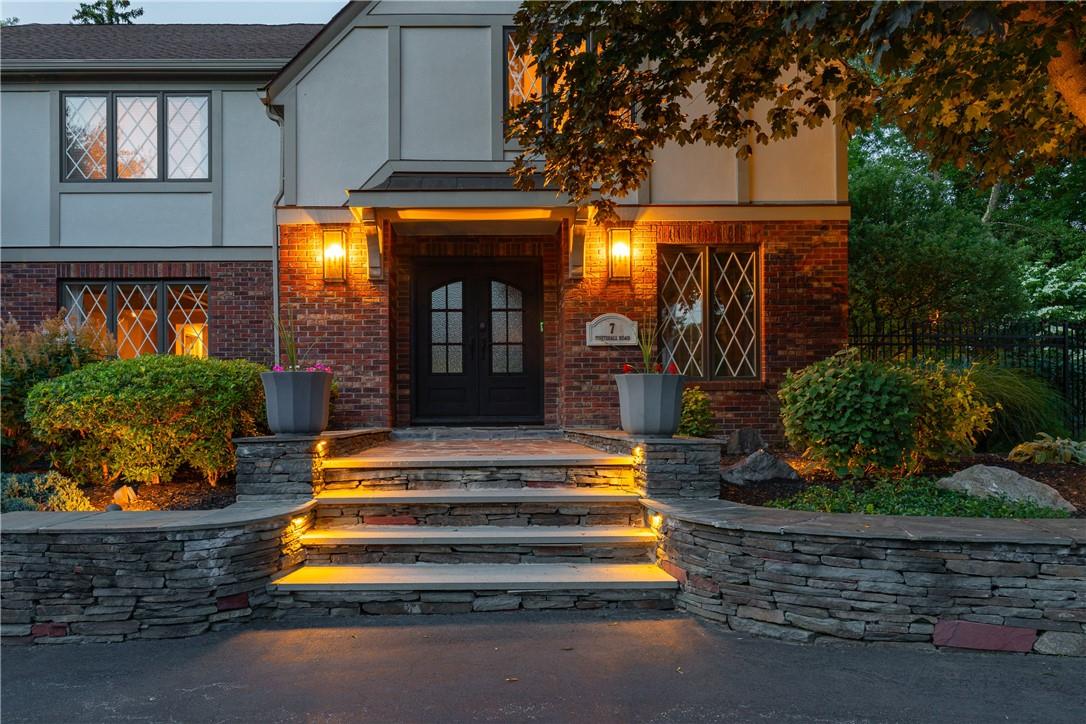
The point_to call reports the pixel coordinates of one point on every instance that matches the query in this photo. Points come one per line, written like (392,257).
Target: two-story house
(180,186)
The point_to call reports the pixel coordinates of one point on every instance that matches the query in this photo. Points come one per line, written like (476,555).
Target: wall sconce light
(619,254)
(335,256)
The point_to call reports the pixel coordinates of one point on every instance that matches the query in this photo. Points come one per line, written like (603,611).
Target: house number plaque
(611,330)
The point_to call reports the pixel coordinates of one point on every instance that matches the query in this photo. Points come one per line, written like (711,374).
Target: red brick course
(240,300)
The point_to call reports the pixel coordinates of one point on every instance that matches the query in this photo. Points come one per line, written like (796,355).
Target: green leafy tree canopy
(998,85)
(106,12)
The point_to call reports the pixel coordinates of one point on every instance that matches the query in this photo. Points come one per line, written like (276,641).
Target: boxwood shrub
(697,415)
(853,415)
(141,419)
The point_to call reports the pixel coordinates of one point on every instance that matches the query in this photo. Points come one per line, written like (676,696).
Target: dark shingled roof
(153,42)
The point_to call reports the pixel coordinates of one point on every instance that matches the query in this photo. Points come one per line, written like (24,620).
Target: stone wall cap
(326,435)
(141,521)
(623,436)
(736,516)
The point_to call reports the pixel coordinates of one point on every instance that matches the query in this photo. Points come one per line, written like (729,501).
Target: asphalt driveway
(542,667)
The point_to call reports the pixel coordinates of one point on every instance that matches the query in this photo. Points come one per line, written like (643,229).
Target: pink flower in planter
(277,368)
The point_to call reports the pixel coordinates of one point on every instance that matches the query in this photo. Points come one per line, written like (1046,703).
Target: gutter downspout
(278,118)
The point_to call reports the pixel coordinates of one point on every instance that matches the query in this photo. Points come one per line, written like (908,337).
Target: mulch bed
(187,491)
(1068,480)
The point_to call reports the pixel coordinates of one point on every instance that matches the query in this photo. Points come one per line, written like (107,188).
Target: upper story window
(708,311)
(522,79)
(126,136)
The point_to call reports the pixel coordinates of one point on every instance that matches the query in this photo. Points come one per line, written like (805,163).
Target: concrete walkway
(546,667)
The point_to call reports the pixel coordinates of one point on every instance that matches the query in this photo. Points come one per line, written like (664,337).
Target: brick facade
(239,302)
(363,328)
(343,324)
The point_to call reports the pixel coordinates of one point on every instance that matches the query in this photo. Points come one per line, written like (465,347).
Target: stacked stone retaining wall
(968,583)
(99,577)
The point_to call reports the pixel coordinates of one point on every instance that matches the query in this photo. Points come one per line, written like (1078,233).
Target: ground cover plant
(28,357)
(912,495)
(1047,449)
(41,491)
(141,419)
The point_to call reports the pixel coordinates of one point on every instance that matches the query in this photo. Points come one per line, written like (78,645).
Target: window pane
(87,306)
(456,359)
(681,299)
(187,137)
(437,359)
(137,136)
(521,76)
(187,332)
(137,319)
(735,314)
(84,137)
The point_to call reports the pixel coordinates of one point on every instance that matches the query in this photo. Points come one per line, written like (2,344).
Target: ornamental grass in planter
(649,401)
(297,394)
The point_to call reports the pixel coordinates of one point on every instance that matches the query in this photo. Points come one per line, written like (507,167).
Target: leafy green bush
(141,419)
(41,491)
(28,357)
(909,496)
(1024,405)
(697,415)
(1047,449)
(850,414)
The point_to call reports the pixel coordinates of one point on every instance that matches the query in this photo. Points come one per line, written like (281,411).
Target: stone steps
(500,507)
(436,589)
(474,577)
(386,535)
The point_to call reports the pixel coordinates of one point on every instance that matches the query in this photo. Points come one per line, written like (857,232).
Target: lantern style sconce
(335,256)
(619,254)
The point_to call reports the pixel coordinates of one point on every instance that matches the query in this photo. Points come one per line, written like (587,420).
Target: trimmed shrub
(28,357)
(697,416)
(851,414)
(1025,405)
(141,419)
(909,496)
(41,491)
(1047,449)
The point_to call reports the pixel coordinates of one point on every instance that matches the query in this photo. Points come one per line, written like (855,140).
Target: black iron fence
(1054,351)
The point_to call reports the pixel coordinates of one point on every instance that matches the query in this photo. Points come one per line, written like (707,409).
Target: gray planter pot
(297,402)
(650,404)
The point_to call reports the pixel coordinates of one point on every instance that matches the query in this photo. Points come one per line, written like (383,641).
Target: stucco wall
(25,152)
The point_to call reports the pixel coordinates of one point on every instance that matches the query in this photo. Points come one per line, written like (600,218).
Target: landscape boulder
(759,467)
(745,441)
(985,481)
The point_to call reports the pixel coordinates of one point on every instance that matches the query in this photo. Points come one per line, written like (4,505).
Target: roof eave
(159,66)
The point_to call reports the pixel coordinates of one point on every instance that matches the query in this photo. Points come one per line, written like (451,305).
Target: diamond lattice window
(87,306)
(718,340)
(85,138)
(522,80)
(681,311)
(187,137)
(186,306)
(137,137)
(145,317)
(734,348)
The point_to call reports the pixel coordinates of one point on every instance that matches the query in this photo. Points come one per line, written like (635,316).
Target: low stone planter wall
(1006,585)
(685,467)
(288,467)
(96,577)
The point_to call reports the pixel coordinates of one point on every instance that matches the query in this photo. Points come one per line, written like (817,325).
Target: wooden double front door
(477,341)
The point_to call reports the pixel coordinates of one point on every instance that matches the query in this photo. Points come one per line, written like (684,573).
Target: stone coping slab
(736,516)
(145,521)
(518,453)
(326,435)
(624,437)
